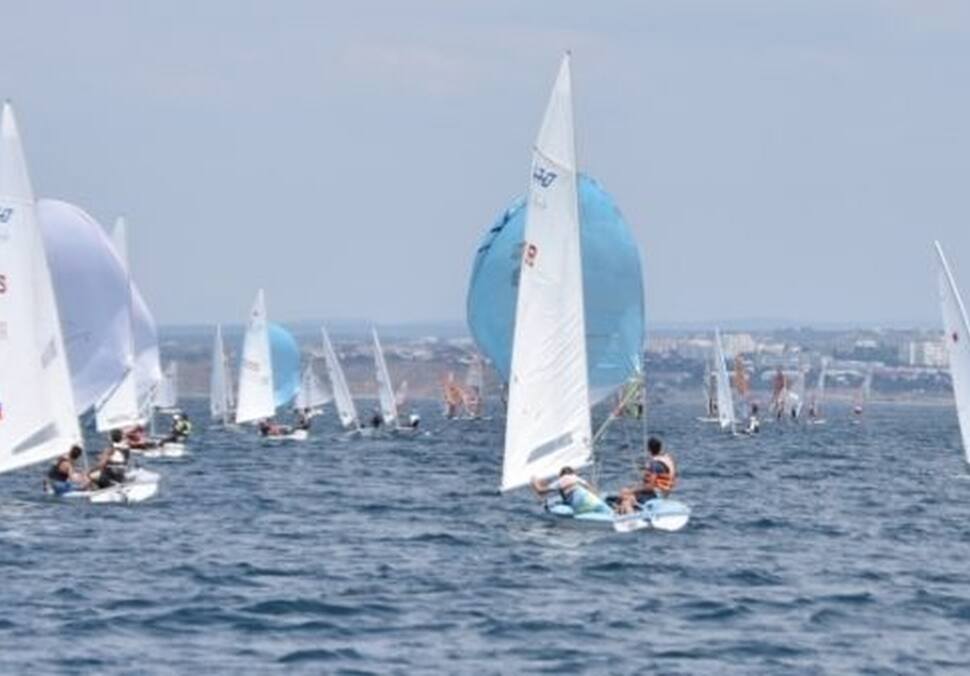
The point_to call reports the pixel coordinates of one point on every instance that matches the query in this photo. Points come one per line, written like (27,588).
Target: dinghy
(957,335)
(346,411)
(815,416)
(268,374)
(39,419)
(548,424)
(473,396)
(385,392)
(313,396)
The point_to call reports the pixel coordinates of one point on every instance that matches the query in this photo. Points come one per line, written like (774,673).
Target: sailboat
(39,421)
(385,388)
(313,396)
(548,425)
(725,401)
(165,401)
(220,382)
(815,407)
(266,382)
(863,394)
(346,410)
(957,336)
(710,391)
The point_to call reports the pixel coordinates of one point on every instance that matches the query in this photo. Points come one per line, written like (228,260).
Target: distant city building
(924,353)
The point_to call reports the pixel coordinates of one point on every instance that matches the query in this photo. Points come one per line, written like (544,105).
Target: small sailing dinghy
(957,335)
(165,401)
(725,400)
(346,411)
(815,416)
(390,417)
(313,396)
(268,375)
(39,419)
(548,425)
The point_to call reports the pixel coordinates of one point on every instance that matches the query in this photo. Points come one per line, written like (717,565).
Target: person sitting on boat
(754,425)
(573,491)
(376,420)
(659,479)
(303,418)
(137,439)
(64,477)
(181,428)
(270,429)
(414,420)
(113,463)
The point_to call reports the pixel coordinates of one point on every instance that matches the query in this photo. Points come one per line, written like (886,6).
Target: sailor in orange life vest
(659,478)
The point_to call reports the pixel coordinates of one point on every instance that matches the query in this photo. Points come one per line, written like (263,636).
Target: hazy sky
(775,159)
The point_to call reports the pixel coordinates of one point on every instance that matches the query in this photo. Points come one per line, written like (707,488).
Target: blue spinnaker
(286,364)
(612,290)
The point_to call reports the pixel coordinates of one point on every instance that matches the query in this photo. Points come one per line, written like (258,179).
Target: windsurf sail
(385,389)
(956,328)
(725,402)
(37,412)
(548,419)
(341,392)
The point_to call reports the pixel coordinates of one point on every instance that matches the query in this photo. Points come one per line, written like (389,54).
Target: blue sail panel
(286,364)
(612,289)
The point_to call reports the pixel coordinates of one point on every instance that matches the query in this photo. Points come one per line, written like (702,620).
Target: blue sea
(838,548)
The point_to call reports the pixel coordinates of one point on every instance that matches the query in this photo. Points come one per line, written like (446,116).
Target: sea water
(836,548)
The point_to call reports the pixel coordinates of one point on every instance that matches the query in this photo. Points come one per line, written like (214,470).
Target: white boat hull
(139,486)
(658,514)
(167,450)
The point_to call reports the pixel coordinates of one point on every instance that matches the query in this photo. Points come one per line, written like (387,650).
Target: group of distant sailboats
(270,378)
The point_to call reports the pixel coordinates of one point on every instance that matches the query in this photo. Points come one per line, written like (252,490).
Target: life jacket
(663,482)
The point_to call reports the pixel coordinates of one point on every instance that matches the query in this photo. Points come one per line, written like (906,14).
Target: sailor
(376,420)
(754,425)
(64,477)
(659,479)
(303,419)
(414,420)
(181,428)
(573,491)
(113,463)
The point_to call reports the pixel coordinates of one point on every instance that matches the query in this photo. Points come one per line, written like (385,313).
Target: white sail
(37,418)
(401,394)
(474,393)
(256,370)
(548,421)
(122,408)
(341,392)
(220,389)
(385,389)
(168,393)
(725,402)
(957,329)
(312,395)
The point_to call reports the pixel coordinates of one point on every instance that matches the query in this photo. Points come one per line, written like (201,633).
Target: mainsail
(36,402)
(312,395)
(548,420)
(256,400)
(220,388)
(957,330)
(725,402)
(341,392)
(385,389)
(121,408)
